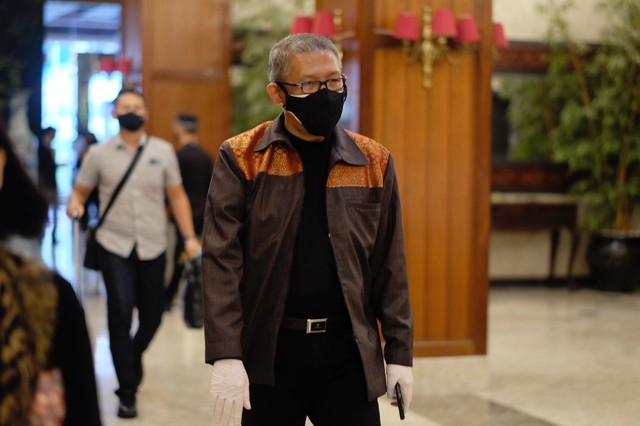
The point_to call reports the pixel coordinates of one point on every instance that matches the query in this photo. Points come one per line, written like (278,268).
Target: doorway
(76,94)
(76,99)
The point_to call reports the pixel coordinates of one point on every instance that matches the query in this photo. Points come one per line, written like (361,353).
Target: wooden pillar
(180,53)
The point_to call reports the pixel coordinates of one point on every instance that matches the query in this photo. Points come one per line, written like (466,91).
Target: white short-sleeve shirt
(138,216)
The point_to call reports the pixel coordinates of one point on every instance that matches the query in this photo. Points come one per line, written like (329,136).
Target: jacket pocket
(363,224)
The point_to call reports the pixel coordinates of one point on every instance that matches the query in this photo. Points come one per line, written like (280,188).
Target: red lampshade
(407,27)
(467,29)
(499,38)
(107,64)
(124,66)
(443,24)
(323,24)
(301,24)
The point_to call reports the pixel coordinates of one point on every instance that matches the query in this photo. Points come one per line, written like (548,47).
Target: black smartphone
(400,401)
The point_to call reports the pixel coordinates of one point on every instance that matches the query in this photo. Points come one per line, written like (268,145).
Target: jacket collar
(344,148)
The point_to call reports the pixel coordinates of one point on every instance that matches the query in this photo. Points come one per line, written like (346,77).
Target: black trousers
(131,282)
(319,376)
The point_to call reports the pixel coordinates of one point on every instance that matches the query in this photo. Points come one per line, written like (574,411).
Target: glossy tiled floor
(557,358)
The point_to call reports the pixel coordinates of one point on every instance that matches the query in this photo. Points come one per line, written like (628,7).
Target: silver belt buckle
(317,325)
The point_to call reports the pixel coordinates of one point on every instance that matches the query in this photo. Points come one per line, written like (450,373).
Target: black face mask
(319,112)
(131,121)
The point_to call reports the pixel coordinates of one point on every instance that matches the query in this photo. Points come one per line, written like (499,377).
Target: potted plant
(257,25)
(588,102)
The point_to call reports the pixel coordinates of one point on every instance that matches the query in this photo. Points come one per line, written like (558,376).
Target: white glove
(229,392)
(403,375)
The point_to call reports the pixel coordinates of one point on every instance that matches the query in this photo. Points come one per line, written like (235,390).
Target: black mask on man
(131,121)
(318,112)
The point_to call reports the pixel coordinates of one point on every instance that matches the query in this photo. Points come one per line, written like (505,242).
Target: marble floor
(557,358)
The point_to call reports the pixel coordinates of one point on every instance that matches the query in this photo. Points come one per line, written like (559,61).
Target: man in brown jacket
(303,257)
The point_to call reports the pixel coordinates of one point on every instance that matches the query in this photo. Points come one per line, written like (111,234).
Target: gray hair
(281,52)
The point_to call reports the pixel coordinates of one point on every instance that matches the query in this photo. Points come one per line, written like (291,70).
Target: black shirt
(196,167)
(46,168)
(315,289)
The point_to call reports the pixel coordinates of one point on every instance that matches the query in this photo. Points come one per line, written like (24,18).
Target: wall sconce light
(327,24)
(467,30)
(301,24)
(499,40)
(437,30)
(499,37)
(324,24)
(124,66)
(109,65)
(435,39)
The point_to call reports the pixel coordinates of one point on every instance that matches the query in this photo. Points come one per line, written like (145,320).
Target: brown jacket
(252,215)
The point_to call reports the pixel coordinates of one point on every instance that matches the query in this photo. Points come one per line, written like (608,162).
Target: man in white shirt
(133,235)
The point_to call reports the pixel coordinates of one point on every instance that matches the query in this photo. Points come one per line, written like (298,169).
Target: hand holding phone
(400,401)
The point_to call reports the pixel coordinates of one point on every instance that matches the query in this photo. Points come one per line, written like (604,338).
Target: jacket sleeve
(390,283)
(222,259)
(73,355)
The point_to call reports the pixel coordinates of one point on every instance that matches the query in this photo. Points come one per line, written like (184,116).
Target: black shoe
(126,411)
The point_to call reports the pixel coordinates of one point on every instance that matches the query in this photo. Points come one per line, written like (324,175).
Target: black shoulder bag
(193,303)
(92,251)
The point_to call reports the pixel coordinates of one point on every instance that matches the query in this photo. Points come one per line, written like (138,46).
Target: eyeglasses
(312,86)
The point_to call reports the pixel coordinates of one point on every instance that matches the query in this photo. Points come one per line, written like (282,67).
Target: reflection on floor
(557,358)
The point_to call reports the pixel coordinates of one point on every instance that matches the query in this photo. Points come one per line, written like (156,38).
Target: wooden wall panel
(482,167)
(191,96)
(440,140)
(132,27)
(182,54)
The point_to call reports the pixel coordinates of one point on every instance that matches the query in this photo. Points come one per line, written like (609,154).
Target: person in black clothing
(46,160)
(45,352)
(196,166)
(47,174)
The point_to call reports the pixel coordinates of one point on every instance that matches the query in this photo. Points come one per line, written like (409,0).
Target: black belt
(315,325)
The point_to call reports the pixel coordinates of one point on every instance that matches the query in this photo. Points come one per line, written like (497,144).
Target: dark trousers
(319,376)
(131,282)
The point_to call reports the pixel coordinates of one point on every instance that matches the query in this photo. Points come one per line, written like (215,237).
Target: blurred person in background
(196,167)
(47,175)
(133,236)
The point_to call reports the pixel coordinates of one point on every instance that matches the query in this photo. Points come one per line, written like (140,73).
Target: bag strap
(122,182)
